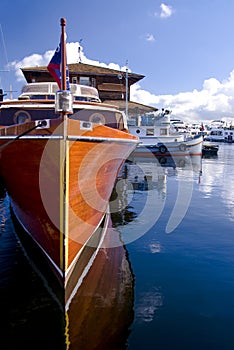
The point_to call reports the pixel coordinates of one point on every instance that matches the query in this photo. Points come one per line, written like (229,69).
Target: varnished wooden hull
(60,179)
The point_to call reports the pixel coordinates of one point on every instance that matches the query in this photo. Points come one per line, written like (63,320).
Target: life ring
(162,149)
(182,147)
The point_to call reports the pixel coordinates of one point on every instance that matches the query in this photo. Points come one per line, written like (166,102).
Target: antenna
(3,43)
(3,48)
(79,50)
(11,92)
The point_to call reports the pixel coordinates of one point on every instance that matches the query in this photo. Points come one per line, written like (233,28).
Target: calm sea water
(179,236)
(184,280)
(30,316)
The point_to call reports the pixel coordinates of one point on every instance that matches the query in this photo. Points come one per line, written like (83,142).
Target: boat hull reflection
(150,165)
(101,310)
(101,313)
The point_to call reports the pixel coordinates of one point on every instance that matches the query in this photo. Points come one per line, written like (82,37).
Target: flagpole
(63,54)
(66,97)
(59,70)
(126,79)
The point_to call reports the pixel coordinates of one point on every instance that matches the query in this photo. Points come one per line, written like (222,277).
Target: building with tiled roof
(110,83)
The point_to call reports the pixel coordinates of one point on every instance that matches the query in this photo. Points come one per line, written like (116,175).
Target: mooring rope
(42,123)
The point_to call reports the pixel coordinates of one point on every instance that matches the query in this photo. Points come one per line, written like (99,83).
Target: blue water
(179,235)
(30,316)
(184,280)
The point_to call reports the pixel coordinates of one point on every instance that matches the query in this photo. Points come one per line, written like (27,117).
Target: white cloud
(30,61)
(73,56)
(166,11)
(215,100)
(150,37)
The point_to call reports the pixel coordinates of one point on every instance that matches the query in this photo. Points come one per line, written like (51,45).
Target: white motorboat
(220,135)
(158,135)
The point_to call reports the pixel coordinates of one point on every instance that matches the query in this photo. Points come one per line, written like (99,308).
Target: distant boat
(209,149)
(179,125)
(156,134)
(220,134)
(60,156)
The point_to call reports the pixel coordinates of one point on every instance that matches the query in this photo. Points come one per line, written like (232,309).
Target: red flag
(54,67)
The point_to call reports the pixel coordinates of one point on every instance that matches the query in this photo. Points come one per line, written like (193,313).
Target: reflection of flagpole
(200,171)
(126,78)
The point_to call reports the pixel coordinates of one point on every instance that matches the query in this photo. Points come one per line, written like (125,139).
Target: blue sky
(185,48)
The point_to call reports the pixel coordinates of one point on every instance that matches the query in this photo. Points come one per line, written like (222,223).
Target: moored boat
(220,131)
(60,156)
(158,135)
(209,149)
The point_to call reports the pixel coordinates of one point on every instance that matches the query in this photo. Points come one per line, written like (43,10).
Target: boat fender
(182,147)
(162,149)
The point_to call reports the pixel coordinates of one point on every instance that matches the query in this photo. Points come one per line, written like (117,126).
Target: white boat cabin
(40,96)
(47,90)
(220,135)
(152,127)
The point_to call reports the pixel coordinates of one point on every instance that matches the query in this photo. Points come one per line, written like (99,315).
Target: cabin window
(93,82)
(120,121)
(74,80)
(21,117)
(163,132)
(84,81)
(218,133)
(147,120)
(37,97)
(97,118)
(150,132)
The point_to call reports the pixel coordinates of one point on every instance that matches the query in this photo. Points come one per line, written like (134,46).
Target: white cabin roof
(36,90)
